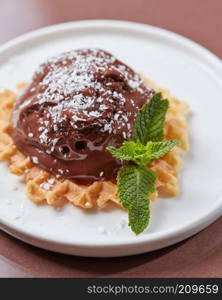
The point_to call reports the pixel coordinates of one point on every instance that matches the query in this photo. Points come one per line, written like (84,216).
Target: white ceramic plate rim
(182,231)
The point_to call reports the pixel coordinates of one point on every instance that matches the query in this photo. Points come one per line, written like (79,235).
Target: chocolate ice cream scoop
(77,104)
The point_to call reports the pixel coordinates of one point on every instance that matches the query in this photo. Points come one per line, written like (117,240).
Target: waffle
(43,188)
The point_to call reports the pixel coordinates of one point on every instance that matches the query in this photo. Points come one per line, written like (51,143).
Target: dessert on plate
(88,130)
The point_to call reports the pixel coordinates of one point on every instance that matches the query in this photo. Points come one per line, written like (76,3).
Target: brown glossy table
(199,256)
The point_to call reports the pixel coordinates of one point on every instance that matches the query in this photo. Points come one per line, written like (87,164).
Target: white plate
(191,73)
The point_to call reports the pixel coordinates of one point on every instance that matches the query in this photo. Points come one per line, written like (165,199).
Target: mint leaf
(159,149)
(128,151)
(135,184)
(141,154)
(150,120)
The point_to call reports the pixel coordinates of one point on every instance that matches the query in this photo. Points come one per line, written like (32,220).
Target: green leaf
(135,184)
(140,154)
(126,151)
(150,120)
(132,151)
(159,149)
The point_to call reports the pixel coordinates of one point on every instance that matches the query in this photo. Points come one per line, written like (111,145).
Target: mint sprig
(136,182)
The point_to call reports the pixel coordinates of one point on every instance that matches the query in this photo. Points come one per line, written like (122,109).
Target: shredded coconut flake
(35,159)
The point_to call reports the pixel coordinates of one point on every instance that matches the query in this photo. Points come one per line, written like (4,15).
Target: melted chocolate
(76,105)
